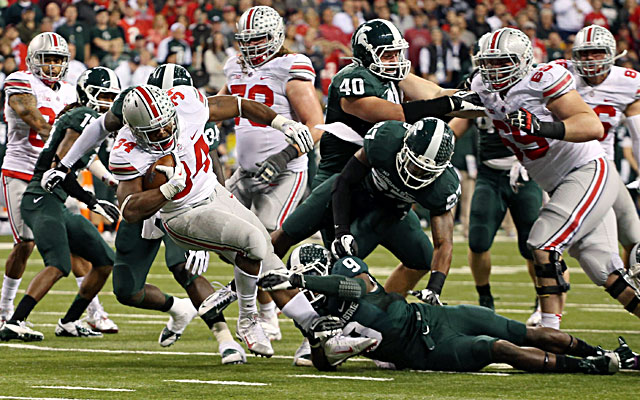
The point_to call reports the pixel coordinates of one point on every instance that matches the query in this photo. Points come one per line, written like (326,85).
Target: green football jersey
(352,81)
(381,145)
(212,135)
(490,146)
(76,119)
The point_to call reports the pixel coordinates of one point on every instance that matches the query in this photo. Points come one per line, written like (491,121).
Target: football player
(542,119)
(45,212)
(372,89)
(270,180)
(424,337)
(33,99)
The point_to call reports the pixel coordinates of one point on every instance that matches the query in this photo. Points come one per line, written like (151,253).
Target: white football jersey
(609,99)
(548,161)
(23,143)
(128,161)
(266,84)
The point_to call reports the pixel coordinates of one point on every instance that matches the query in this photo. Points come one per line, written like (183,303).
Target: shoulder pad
(301,68)
(18,82)
(349,266)
(551,80)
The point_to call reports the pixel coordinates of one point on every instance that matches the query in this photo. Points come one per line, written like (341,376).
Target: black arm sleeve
(335,285)
(72,187)
(416,110)
(353,172)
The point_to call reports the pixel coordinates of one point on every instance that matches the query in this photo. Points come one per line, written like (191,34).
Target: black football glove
(106,209)
(530,124)
(325,327)
(344,245)
(270,168)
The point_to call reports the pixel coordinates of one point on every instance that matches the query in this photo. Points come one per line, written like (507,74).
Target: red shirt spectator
(596,17)
(132,25)
(418,38)
(331,32)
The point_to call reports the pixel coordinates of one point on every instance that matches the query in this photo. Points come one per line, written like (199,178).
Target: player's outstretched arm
(459,126)
(93,135)
(135,204)
(25,105)
(304,101)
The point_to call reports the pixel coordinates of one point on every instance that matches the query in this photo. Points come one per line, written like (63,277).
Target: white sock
(9,290)
(300,310)
(221,332)
(247,289)
(79,280)
(551,320)
(268,309)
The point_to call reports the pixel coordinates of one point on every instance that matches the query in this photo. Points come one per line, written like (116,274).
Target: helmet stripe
(167,77)
(494,39)
(589,33)
(392,28)
(249,18)
(436,140)
(148,101)
(54,39)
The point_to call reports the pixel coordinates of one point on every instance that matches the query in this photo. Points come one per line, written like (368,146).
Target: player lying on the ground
(447,338)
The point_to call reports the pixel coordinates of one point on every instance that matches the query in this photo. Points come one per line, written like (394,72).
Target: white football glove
(343,246)
(635,185)
(428,296)
(177,178)
(296,132)
(197,262)
(277,279)
(517,171)
(52,178)
(109,211)
(464,100)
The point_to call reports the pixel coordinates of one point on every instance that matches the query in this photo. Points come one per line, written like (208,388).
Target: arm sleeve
(336,285)
(353,172)
(72,187)
(94,134)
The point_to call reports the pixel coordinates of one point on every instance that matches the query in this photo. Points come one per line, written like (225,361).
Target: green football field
(131,364)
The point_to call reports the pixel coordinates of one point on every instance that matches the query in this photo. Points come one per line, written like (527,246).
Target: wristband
(416,110)
(278,122)
(436,281)
(551,130)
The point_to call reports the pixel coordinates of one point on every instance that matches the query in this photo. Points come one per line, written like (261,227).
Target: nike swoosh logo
(194,135)
(37,200)
(263,78)
(349,350)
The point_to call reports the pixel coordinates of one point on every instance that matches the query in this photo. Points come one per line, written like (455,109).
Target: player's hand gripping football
(177,178)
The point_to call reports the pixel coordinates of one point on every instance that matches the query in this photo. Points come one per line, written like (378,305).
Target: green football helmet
(426,152)
(166,76)
(369,43)
(310,259)
(93,84)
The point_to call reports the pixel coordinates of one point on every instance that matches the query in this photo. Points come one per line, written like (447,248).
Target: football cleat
(75,329)
(486,301)
(5,313)
(181,313)
(302,357)
(536,316)
(232,353)
(607,364)
(251,333)
(339,348)
(270,325)
(218,301)
(99,321)
(628,359)
(20,331)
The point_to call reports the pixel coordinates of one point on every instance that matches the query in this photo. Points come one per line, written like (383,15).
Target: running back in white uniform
(548,161)
(268,85)
(609,99)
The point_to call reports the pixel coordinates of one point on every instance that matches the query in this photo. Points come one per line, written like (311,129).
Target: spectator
(417,38)
(101,36)
(433,60)
(458,58)
(213,8)
(499,12)
(403,19)
(513,6)
(383,12)
(46,25)
(27,28)
(76,68)
(610,10)
(136,70)
(158,32)
(132,26)
(214,60)
(478,25)
(116,55)
(539,49)
(176,45)
(545,25)
(244,5)
(170,11)
(18,49)
(52,10)
(13,13)
(74,32)
(556,47)
(229,17)
(144,10)
(87,12)
(466,35)
(93,61)
(570,15)
(596,17)
(350,17)
(200,29)
(329,31)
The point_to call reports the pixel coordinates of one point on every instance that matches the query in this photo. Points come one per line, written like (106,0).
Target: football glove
(279,279)
(325,327)
(344,245)
(177,178)
(53,177)
(635,185)
(427,295)
(626,355)
(464,100)
(270,168)
(109,211)
(530,124)
(517,171)
(295,132)
(197,262)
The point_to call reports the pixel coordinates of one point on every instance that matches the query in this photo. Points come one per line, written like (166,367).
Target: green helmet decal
(166,76)
(369,43)
(95,82)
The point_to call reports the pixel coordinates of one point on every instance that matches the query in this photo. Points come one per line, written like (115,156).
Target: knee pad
(256,245)
(181,275)
(479,240)
(618,286)
(553,269)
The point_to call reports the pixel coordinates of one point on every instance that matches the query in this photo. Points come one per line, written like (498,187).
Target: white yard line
(230,383)
(83,388)
(37,398)
(347,377)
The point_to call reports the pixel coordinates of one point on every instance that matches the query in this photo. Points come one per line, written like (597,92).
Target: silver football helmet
(260,22)
(594,37)
(149,113)
(47,44)
(504,59)
(310,259)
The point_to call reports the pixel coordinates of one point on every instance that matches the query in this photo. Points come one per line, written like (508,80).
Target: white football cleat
(218,300)
(232,353)
(270,325)
(339,348)
(251,333)
(75,329)
(181,313)
(535,319)
(302,357)
(19,331)
(99,321)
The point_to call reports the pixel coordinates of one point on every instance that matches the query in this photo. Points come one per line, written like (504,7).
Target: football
(152,178)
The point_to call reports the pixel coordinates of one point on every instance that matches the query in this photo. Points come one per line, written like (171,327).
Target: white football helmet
(504,59)
(313,260)
(260,22)
(594,37)
(48,43)
(147,110)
